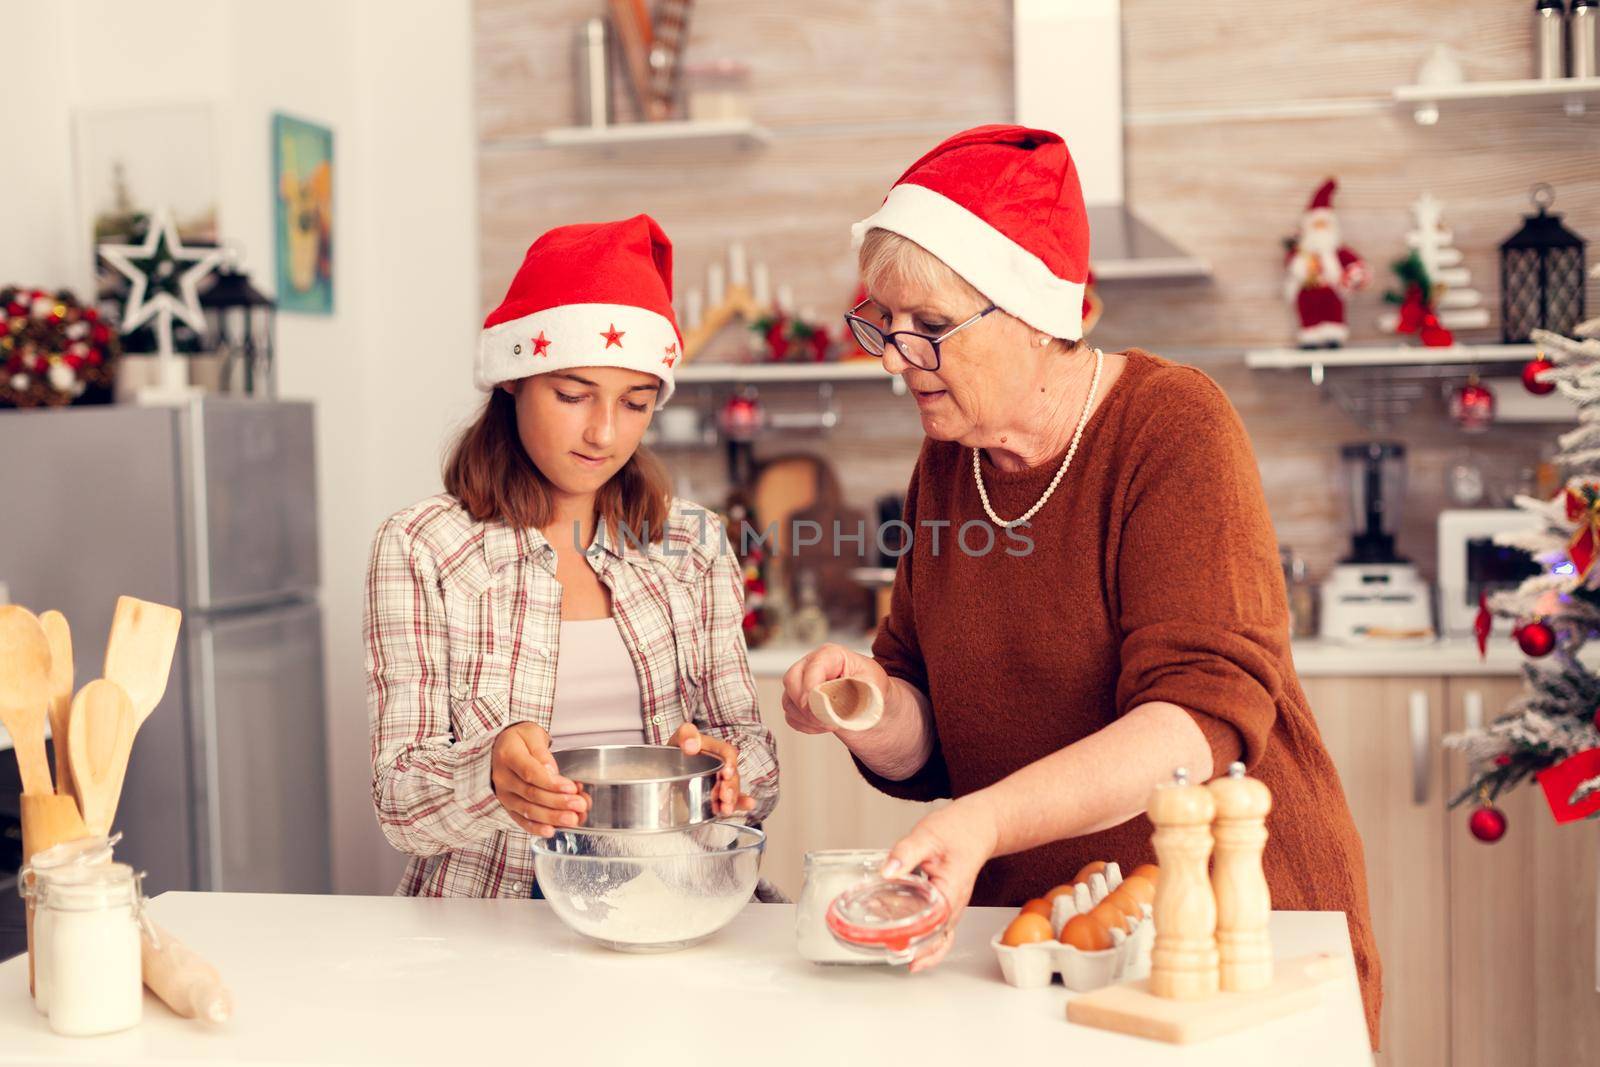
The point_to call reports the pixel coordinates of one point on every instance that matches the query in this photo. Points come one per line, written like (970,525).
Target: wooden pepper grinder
(1183,963)
(1244,903)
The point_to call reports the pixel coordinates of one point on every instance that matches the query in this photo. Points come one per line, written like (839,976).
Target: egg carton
(1033,966)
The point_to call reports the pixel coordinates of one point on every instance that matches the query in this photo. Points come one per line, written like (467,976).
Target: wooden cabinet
(823,802)
(1522,919)
(1488,950)
(1384,737)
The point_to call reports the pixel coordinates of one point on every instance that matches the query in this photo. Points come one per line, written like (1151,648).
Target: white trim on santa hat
(576,335)
(1014,278)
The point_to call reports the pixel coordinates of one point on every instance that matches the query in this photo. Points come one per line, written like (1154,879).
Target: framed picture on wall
(129,162)
(302,182)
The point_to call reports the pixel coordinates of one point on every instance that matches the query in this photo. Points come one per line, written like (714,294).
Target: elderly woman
(1128,615)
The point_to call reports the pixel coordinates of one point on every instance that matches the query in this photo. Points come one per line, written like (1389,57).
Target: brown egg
(1086,932)
(1037,906)
(1148,871)
(1060,890)
(1139,888)
(1089,870)
(1109,915)
(1026,929)
(1126,903)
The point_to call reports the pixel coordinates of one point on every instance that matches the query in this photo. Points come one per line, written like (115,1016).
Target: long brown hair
(490,473)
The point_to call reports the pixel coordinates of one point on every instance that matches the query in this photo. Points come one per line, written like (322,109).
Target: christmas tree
(1551,733)
(1434,267)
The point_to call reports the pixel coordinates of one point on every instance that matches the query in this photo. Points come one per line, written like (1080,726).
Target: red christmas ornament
(1482,623)
(1472,406)
(1535,639)
(1434,335)
(1530,376)
(1487,823)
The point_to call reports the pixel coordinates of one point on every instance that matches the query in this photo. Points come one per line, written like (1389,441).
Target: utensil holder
(48,819)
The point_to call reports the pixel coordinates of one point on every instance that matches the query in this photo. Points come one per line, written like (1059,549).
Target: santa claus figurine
(1321,270)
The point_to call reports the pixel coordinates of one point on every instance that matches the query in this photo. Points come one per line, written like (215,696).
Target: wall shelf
(850,370)
(730,133)
(1426,101)
(1319,360)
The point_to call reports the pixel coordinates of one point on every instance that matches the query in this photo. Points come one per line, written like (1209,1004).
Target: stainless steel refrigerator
(210,507)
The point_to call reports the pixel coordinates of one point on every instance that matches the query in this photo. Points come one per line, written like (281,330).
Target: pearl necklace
(1072,450)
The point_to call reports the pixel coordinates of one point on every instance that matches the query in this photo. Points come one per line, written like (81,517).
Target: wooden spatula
(139,652)
(99,738)
(59,634)
(25,693)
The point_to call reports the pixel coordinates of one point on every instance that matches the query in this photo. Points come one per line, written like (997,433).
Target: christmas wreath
(53,350)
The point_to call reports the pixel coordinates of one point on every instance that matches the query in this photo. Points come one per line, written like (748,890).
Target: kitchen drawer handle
(1421,748)
(1472,710)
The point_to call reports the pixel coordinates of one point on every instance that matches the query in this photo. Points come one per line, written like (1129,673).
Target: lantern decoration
(1541,275)
(241,327)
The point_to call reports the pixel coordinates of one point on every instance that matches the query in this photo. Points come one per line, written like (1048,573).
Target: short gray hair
(887,255)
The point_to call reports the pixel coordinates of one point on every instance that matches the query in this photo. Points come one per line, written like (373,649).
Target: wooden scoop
(139,652)
(99,738)
(847,703)
(60,638)
(25,693)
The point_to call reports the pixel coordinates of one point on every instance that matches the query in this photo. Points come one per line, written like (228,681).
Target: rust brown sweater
(1154,576)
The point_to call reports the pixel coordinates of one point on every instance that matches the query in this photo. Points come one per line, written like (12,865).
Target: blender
(1374,594)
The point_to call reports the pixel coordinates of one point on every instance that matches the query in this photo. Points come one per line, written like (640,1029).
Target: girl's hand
(951,846)
(528,785)
(728,800)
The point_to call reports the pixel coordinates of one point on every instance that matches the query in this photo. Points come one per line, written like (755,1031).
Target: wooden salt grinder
(1244,903)
(1183,963)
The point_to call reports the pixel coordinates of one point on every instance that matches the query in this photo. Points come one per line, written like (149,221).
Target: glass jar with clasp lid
(849,913)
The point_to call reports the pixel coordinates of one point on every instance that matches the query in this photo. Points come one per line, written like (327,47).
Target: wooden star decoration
(165,278)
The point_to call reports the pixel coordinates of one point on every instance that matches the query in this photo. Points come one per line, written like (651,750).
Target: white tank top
(597,694)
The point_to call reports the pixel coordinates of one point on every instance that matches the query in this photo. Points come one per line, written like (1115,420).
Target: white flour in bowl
(649,910)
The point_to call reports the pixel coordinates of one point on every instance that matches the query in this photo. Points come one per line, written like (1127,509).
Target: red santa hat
(1002,207)
(590,295)
(1322,199)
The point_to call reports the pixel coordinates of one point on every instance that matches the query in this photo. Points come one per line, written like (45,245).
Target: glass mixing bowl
(649,892)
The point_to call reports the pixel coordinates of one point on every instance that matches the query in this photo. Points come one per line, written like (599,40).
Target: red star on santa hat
(540,343)
(672,355)
(613,336)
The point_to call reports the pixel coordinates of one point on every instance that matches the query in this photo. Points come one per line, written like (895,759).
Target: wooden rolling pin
(187,984)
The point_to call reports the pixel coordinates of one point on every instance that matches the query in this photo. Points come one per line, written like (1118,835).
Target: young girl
(555,595)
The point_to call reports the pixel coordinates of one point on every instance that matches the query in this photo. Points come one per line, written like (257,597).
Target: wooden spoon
(847,703)
(99,738)
(139,652)
(59,635)
(25,693)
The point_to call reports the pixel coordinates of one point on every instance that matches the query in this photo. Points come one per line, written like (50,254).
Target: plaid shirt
(462,625)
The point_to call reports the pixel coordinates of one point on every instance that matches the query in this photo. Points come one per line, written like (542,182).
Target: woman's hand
(528,785)
(951,846)
(728,800)
(824,665)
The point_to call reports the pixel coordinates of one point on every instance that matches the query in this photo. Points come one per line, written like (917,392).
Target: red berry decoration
(1487,823)
(1530,376)
(1502,760)
(1535,639)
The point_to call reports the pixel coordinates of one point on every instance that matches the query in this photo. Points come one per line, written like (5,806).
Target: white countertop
(1312,657)
(383,980)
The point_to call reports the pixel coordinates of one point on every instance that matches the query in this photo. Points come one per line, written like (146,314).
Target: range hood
(1068,79)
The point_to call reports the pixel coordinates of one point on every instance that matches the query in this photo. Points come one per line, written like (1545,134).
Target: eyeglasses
(917,349)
